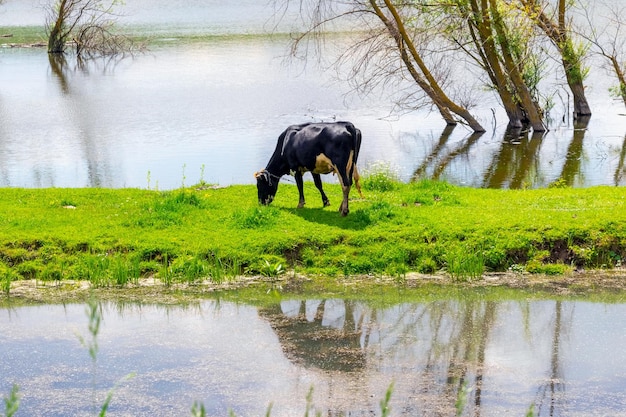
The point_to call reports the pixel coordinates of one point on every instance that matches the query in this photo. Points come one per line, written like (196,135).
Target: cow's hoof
(326,203)
(300,205)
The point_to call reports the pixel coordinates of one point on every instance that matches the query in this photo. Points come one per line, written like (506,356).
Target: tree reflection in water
(434,352)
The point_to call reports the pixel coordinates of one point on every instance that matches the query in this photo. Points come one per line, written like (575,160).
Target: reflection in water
(78,112)
(572,167)
(221,105)
(562,357)
(516,163)
(439,352)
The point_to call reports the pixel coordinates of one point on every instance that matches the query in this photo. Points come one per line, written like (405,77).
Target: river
(563,357)
(211,110)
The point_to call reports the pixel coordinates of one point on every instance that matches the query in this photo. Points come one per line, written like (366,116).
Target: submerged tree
(558,28)
(389,48)
(88,24)
(499,42)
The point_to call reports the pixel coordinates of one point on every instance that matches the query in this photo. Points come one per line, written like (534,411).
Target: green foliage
(7,275)
(537,267)
(465,263)
(198,410)
(385,409)
(380,178)
(12,402)
(268,266)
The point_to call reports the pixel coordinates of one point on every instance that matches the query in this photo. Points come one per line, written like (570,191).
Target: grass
(114,237)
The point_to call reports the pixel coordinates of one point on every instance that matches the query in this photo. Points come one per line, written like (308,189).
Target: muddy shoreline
(152,290)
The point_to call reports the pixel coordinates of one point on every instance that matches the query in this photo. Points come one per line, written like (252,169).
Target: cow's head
(266,185)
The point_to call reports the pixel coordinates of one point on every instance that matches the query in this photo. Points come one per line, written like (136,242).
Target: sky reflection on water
(213,110)
(565,357)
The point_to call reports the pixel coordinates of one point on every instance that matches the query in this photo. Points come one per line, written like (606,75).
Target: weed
(461,398)
(7,275)
(12,402)
(380,178)
(385,409)
(426,266)
(465,263)
(198,410)
(537,267)
(269,269)
(165,272)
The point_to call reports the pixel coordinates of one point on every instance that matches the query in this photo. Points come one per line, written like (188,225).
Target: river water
(564,358)
(212,110)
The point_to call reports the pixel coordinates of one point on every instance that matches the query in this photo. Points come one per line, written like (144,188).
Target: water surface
(565,357)
(212,111)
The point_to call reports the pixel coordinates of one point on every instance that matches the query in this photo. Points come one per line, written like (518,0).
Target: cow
(319,148)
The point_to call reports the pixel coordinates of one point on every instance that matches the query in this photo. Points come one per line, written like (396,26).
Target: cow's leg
(346,183)
(357,182)
(300,184)
(343,209)
(318,183)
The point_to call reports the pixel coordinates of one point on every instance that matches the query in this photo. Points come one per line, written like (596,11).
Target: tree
(555,24)
(608,39)
(498,41)
(390,39)
(89,24)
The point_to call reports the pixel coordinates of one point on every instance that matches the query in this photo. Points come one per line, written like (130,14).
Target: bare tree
(388,48)
(608,39)
(89,24)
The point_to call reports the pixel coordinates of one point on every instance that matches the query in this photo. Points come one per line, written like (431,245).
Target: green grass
(114,237)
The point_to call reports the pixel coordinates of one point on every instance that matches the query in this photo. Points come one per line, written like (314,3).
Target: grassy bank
(115,237)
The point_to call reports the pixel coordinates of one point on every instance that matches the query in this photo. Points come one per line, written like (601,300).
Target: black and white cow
(320,148)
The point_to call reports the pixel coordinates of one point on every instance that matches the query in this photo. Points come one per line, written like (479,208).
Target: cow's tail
(356,137)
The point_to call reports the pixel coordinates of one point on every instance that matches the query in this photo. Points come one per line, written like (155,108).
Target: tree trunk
(621,78)
(531,109)
(487,50)
(559,35)
(425,80)
(56,38)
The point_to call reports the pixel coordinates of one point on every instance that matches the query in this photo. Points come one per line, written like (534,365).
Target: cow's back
(302,144)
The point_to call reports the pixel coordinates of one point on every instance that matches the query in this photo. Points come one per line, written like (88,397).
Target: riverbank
(117,238)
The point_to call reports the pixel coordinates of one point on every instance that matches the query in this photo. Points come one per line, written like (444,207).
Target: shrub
(380,178)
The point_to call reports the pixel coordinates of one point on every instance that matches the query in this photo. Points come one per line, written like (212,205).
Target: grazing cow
(320,148)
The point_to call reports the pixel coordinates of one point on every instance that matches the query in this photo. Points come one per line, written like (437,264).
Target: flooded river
(212,110)
(563,358)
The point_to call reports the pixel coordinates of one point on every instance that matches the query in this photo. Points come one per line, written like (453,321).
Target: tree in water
(389,49)
(498,41)
(89,24)
(556,26)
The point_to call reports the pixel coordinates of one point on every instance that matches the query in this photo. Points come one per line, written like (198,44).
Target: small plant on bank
(465,263)
(268,266)
(7,275)
(380,177)
(12,402)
